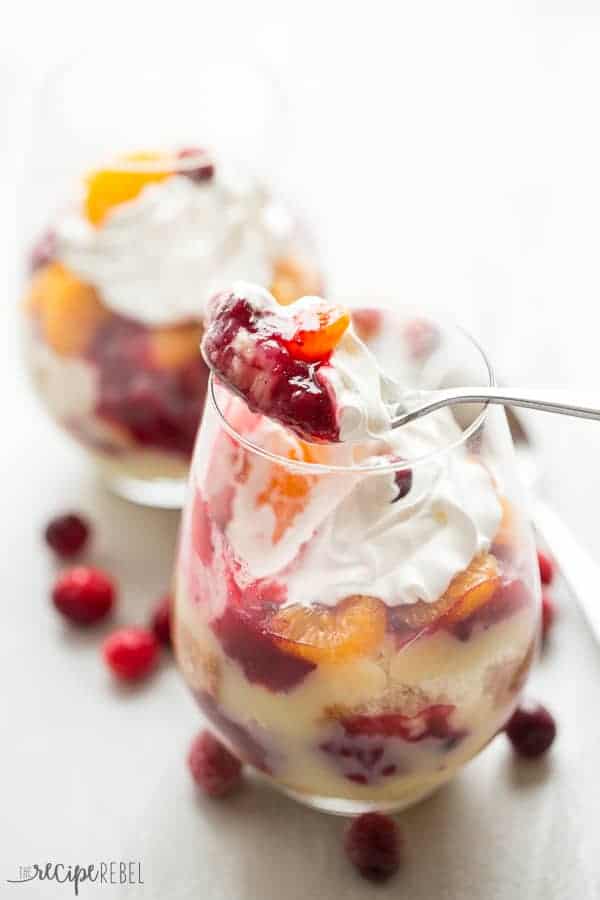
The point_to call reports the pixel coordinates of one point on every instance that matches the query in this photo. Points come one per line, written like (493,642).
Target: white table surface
(446,152)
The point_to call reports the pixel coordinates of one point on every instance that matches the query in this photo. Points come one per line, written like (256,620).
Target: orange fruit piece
(292,280)
(467,591)
(320,334)
(506,532)
(474,587)
(43,283)
(287,494)
(355,627)
(70,310)
(173,347)
(107,188)
(287,491)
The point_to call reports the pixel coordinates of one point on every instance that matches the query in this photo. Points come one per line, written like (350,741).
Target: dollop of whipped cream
(159,257)
(350,535)
(363,394)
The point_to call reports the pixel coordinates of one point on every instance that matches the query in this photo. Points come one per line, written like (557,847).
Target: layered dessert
(357,608)
(116,296)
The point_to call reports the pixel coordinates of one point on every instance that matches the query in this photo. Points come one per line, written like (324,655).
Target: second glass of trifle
(357,608)
(115,299)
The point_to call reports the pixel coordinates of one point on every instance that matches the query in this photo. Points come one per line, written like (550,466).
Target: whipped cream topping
(350,536)
(159,257)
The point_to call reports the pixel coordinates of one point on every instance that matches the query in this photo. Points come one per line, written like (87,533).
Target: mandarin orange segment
(70,310)
(506,532)
(468,591)
(473,587)
(173,347)
(44,282)
(107,188)
(317,343)
(355,627)
(292,280)
(287,494)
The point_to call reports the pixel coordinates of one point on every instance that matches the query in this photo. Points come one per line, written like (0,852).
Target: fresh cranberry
(83,595)
(531,730)
(43,252)
(248,746)
(270,380)
(204,170)
(548,614)
(67,534)
(546,567)
(213,767)
(403,480)
(373,844)
(245,639)
(131,653)
(161,620)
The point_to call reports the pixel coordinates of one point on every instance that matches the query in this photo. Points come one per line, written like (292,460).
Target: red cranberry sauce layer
(368,748)
(161,408)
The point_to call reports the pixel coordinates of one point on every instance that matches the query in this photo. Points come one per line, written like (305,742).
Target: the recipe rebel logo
(103,872)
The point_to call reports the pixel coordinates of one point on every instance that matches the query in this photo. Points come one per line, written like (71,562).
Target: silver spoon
(567,403)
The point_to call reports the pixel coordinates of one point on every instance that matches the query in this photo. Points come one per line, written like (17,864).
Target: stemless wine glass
(354,621)
(155,192)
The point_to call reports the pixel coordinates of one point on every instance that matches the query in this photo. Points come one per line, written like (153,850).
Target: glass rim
(363,468)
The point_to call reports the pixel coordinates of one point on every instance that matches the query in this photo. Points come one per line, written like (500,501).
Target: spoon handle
(567,403)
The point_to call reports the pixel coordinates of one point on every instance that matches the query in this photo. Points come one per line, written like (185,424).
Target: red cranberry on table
(548,614)
(84,595)
(161,620)
(546,567)
(373,843)
(67,534)
(214,769)
(531,730)
(131,653)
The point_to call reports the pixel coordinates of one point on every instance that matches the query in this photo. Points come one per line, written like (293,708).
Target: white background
(447,153)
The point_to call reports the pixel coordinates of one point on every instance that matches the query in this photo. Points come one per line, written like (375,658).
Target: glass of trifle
(357,607)
(114,302)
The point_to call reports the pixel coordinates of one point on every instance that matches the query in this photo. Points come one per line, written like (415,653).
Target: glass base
(341,806)
(147,478)
(164,493)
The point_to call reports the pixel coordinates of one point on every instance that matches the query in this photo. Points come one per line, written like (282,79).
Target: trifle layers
(117,294)
(356,621)
(381,728)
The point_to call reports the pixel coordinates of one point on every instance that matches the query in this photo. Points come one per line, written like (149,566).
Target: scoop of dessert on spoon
(554,400)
